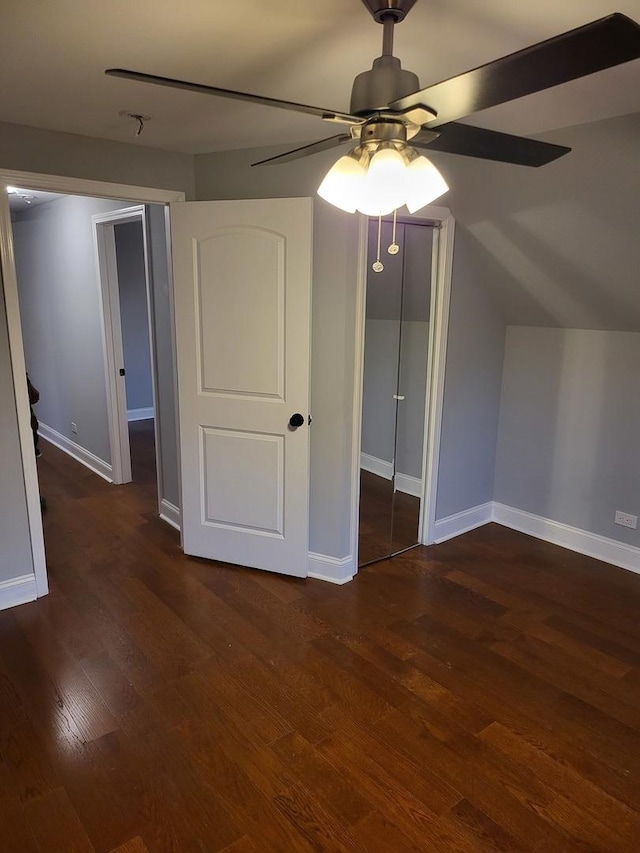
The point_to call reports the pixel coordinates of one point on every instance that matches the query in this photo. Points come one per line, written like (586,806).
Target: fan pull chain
(394,248)
(377,265)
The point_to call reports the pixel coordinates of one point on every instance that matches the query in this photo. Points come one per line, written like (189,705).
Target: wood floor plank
(15,832)
(134,845)
(568,782)
(56,825)
(478,695)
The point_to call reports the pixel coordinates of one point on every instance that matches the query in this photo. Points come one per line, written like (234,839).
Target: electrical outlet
(626,519)
(74,428)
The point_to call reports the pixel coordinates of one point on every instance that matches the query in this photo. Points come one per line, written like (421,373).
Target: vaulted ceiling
(53,56)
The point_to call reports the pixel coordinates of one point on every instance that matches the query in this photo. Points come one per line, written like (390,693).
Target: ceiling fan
(387,103)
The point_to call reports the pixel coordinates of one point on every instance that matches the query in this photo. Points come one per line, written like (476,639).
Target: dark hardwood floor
(479,695)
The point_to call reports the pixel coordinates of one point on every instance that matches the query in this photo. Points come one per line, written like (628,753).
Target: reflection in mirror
(394,392)
(380,382)
(412,387)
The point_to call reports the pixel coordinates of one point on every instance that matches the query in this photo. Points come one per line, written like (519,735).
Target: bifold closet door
(379,403)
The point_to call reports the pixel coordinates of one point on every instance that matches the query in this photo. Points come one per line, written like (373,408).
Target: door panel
(242,272)
(235,256)
(231,460)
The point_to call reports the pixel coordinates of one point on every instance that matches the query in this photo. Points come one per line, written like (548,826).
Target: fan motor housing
(386,82)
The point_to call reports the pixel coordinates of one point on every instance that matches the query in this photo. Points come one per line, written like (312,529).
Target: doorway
(83,190)
(396,367)
(82,342)
(404,315)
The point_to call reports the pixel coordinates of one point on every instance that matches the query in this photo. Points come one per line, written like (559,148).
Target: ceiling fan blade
(601,44)
(305,150)
(230,93)
(471,141)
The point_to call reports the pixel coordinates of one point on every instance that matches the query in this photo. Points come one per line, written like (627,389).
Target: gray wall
(475,352)
(60,309)
(557,245)
(569,427)
(134,314)
(50,152)
(554,247)
(15,541)
(161,308)
(335,262)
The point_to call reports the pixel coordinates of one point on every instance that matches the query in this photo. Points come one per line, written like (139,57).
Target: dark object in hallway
(482,694)
(34,397)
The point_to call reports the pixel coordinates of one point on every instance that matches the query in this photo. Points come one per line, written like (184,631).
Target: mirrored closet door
(396,367)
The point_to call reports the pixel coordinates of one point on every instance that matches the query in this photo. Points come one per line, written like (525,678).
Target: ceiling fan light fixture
(423,182)
(383,187)
(342,186)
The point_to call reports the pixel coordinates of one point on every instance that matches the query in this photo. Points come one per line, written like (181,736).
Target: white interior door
(242,278)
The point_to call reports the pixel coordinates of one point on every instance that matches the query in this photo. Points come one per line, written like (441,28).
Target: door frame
(68,186)
(441,275)
(104,241)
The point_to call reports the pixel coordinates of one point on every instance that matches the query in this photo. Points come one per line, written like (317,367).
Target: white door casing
(242,277)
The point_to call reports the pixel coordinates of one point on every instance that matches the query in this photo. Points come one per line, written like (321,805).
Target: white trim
(332,569)
(573,538)
(140,414)
(462,522)
(23,412)
(358,377)
(174,364)
(17,591)
(170,513)
(151,324)
(438,333)
(408,484)
(84,186)
(104,239)
(79,453)
(373,465)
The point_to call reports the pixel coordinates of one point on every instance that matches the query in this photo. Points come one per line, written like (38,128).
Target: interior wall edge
(18,590)
(338,570)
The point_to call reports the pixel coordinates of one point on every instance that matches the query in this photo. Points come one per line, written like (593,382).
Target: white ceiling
(53,54)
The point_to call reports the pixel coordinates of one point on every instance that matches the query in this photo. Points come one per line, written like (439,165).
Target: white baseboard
(17,591)
(462,522)
(88,459)
(409,485)
(332,569)
(170,513)
(403,482)
(376,466)
(140,414)
(582,541)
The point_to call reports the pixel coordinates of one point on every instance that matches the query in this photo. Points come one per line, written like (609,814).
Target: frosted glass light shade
(383,189)
(424,184)
(342,185)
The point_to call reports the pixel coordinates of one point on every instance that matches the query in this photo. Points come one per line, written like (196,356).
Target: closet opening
(397,369)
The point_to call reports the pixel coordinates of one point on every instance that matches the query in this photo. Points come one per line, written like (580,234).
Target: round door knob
(296,420)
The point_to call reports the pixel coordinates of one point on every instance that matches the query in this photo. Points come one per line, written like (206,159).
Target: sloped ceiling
(558,245)
(53,56)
